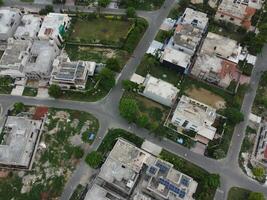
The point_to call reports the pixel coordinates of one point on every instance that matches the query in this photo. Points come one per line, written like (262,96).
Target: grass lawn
(5,85)
(237,193)
(53,165)
(100,29)
(163,35)
(151,65)
(30,91)
(142,5)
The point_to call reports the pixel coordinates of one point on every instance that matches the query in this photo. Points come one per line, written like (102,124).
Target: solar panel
(162,168)
(185,182)
(152,170)
(182,194)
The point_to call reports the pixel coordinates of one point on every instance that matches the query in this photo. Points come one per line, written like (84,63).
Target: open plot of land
(101,29)
(206,97)
(55,160)
(96,54)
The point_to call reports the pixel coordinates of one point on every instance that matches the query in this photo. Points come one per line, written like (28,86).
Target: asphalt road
(106,111)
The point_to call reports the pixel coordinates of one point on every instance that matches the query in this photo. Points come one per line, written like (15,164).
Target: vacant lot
(206,97)
(53,163)
(100,29)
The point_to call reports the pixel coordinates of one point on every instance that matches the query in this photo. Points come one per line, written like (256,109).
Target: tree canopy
(131,12)
(107,78)
(55,91)
(129,109)
(94,159)
(256,196)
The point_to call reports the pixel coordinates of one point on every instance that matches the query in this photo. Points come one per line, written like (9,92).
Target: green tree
(19,107)
(94,159)
(256,196)
(103,3)
(129,109)
(54,91)
(234,116)
(107,78)
(213,181)
(1,2)
(113,64)
(78,152)
(259,172)
(131,12)
(47,9)
(142,121)
(219,153)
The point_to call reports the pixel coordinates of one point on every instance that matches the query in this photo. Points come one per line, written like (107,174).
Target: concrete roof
(15,54)
(154,47)
(19,143)
(221,46)
(194,17)
(29,27)
(187,35)
(51,24)
(136,78)
(97,192)
(42,55)
(176,57)
(199,114)
(160,88)
(7,18)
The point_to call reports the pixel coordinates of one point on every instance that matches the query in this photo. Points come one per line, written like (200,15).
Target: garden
(55,161)
(6,85)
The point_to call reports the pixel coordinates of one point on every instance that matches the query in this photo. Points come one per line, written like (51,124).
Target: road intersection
(106,110)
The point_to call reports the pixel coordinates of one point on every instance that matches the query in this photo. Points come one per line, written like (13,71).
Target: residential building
(123,166)
(20,142)
(176,59)
(41,57)
(15,57)
(222,47)
(186,38)
(69,74)
(159,90)
(28,27)
(24,58)
(9,21)
(132,173)
(195,18)
(168,183)
(259,154)
(215,70)
(235,13)
(54,26)
(191,114)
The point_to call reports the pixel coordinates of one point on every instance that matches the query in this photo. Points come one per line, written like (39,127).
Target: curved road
(106,111)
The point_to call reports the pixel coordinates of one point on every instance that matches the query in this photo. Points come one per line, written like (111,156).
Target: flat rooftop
(29,27)
(187,35)
(16,51)
(221,46)
(42,55)
(160,88)
(176,57)
(194,17)
(97,192)
(19,141)
(7,18)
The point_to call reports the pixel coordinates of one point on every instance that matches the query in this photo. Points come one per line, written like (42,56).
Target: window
(185,123)
(232,19)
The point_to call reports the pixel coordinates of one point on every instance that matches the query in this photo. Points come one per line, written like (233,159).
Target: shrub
(94,159)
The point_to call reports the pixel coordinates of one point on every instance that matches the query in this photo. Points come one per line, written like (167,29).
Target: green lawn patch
(100,30)
(6,85)
(141,5)
(236,193)
(151,65)
(28,91)
(207,183)
(162,35)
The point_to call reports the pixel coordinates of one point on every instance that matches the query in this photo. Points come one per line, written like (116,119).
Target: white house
(53,27)
(159,90)
(9,21)
(191,114)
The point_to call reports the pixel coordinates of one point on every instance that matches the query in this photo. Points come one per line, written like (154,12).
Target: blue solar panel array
(152,170)
(162,168)
(185,182)
(172,187)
